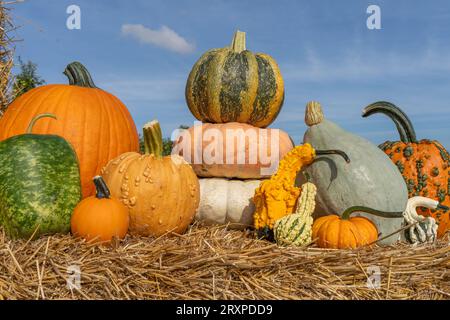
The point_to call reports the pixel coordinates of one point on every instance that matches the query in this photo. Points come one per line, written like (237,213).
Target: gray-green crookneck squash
(370,179)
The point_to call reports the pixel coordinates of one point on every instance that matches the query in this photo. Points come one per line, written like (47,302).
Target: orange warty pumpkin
(100,218)
(345,232)
(96,123)
(424,164)
(161,193)
(204,143)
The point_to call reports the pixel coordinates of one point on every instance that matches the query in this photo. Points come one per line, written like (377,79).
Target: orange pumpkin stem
(40,116)
(101,188)
(153,139)
(78,75)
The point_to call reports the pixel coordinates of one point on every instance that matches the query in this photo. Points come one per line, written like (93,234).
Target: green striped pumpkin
(233,84)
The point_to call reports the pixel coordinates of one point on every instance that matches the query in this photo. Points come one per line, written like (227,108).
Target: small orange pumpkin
(100,218)
(334,232)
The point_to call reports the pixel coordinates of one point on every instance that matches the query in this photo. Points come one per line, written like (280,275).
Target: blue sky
(142,51)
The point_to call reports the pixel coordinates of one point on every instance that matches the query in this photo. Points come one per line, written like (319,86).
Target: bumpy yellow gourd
(277,196)
(296,229)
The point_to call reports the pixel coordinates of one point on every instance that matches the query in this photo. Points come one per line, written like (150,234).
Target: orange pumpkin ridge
(96,123)
(424,164)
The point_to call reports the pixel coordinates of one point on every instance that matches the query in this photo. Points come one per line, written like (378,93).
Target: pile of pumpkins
(69,160)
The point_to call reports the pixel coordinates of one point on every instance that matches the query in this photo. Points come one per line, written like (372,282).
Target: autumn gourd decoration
(424,164)
(296,229)
(253,156)
(277,197)
(232,84)
(345,232)
(161,193)
(93,121)
(369,180)
(100,218)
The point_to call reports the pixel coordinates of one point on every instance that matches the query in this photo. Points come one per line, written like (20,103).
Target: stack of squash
(235,94)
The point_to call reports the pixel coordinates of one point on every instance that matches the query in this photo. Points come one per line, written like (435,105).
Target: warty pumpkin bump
(232,84)
(424,164)
(93,121)
(161,193)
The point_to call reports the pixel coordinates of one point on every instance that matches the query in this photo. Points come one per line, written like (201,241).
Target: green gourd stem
(40,116)
(337,152)
(307,176)
(78,75)
(349,211)
(101,188)
(238,44)
(153,139)
(401,120)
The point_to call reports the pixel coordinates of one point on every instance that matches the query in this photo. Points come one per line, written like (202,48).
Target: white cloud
(164,37)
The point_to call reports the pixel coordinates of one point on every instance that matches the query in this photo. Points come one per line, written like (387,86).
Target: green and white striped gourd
(296,229)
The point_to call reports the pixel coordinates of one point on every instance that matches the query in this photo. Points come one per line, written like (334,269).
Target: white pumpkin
(225,201)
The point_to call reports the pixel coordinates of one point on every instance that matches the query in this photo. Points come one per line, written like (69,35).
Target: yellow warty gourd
(296,229)
(277,196)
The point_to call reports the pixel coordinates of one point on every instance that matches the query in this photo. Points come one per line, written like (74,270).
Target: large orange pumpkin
(233,150)
(161,193)
(96,123)
(424,164)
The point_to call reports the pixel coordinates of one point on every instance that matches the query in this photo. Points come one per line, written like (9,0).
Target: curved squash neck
(347,213)
(79,76)
(401,120)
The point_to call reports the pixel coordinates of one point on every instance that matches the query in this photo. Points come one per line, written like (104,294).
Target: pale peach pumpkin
(221,155)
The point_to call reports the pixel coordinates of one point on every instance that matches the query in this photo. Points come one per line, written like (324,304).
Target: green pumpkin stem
(40,116)
(347,213)
(153,139)
(338,152)
(101,188)
(78,75)
(238,44)
(401,120)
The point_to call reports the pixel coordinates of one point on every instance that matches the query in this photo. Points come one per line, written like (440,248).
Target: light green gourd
(370,179)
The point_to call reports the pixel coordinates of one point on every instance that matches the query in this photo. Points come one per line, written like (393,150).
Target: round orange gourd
(161,193)
(96,123)
(346,232)
(100,218)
